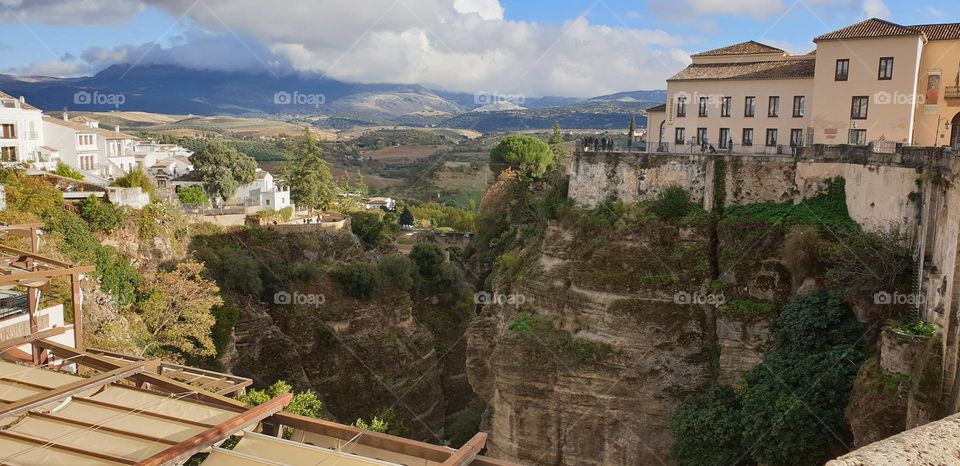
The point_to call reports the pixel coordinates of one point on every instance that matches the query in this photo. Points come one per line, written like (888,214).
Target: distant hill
(174,90)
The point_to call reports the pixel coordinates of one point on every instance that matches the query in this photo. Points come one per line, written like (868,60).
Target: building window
(681,107)
(750,107)
(703,106)
(9,131)
(747,137)
(857,137)
(886,68)
(843,70)
(679,137)
(8,154)
(773,108)
(858,110)
(799,104)
(701,136)
(771,137)
(725,138)
(796,137)
(725,105)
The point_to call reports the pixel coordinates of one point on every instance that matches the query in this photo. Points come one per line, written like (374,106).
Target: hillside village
(767,274)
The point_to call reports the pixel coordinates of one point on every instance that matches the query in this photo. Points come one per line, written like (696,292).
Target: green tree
(305,403)
(222,168)
(176,313)
(137,178)
(371,228)
(360,185)
(557,136)
(192,195)
(632,131)
(793,402)
(708,429)
(67,171)
(308,174)
(406,217)
(529,156)
(361,280)
(100,215)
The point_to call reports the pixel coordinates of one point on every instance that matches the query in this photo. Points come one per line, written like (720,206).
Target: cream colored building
(874,82)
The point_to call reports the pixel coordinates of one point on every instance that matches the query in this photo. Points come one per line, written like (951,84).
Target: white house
(21,134)
(380,203)
(265,193)
(78,143)
(155,157)
(172,167)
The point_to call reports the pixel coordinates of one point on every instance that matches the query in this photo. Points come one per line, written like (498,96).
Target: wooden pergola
(32,270)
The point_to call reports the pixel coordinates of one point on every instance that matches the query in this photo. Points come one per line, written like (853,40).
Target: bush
(708,429)
(100,215)
(397,272)
(915,327)
(66,171)
(359,280)
(794,401)
(528,155)
(869,261)
(137,178)
(192,195)
(371,228)
(672,203)
(429,258)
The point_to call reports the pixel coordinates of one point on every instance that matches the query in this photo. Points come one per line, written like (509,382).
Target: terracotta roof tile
(870,28)
(947,31)
(744,48)
(779,69)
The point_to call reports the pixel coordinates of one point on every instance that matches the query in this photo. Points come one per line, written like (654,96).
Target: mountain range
(171,89)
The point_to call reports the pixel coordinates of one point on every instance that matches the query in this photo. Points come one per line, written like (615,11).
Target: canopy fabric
(298,454)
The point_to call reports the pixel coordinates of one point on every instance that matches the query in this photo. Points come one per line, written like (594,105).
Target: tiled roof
(870,28)
(69,124)
(947,31)
(658,108)
(779,69)
(25,106)
(744,48)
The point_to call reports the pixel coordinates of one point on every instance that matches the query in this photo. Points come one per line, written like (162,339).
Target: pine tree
(360,185)
(557,137)
(308,174)
(632,132)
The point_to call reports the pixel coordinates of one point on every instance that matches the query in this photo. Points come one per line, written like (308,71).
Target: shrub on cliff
(528,155)
(359,280)
(672,203)
(793,401)
(708,429)
(100,215)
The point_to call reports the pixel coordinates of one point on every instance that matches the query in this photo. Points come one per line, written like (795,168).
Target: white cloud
(58,68)
(457,45)
(876,9)
(69,12)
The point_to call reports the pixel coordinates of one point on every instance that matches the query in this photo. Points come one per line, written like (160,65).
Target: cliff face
(608,342)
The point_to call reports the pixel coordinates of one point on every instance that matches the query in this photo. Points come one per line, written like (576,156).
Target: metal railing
(754,149)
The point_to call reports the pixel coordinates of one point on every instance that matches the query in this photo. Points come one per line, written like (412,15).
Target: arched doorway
(955,132)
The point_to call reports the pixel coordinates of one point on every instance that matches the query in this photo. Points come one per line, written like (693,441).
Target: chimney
(66,116)
(117,128)
(23,102)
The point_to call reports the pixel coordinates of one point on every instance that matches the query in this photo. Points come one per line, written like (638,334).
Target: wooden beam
(75,294)
(52,273)
(385,442)
(33,255)
(70,389)
(465,455)
(27,339)
(207,438)
(67,448)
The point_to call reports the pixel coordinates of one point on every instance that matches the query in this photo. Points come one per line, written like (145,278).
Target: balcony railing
(952,92)
(751,149)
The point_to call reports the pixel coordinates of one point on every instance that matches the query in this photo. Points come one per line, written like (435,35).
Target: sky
(526,47)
